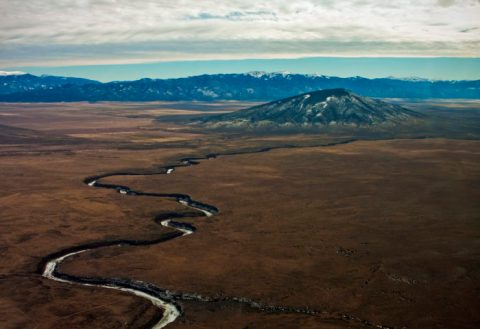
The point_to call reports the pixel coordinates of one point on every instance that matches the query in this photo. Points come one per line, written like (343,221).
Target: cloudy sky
(86,32)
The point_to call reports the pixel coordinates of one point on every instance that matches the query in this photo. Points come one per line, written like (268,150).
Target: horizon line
(371,67)
(392,77)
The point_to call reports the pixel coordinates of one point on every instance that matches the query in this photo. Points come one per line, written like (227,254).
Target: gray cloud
(470,29)
(89,31)
(446,3)
(180,50)
(236,15)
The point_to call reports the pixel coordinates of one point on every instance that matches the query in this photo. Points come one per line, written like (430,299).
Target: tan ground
(383,230)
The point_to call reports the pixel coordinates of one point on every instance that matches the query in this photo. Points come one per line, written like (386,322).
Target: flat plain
(366,231)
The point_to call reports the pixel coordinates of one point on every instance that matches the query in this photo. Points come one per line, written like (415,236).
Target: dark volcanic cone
(318,108)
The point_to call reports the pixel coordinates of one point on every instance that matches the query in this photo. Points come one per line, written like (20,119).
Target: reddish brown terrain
(372,232)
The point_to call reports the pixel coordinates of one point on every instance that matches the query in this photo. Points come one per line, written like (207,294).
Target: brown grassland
(387,231)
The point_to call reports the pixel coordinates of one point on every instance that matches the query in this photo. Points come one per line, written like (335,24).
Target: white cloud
(51,30)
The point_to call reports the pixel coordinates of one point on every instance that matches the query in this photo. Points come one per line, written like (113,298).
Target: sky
(177,38)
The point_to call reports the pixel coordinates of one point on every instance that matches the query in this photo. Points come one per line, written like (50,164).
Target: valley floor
(384,231)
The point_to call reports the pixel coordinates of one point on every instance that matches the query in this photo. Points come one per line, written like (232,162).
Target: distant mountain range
(254,86)
(318,108)
(20,83)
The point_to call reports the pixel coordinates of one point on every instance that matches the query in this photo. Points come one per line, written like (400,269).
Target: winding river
(164,299)
(157,297)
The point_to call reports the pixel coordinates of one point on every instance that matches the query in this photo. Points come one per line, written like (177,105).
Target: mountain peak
(317,108)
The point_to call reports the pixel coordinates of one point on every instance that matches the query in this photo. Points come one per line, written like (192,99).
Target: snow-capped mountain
(318,108)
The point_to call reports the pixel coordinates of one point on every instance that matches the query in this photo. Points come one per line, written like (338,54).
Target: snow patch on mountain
(7,73)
